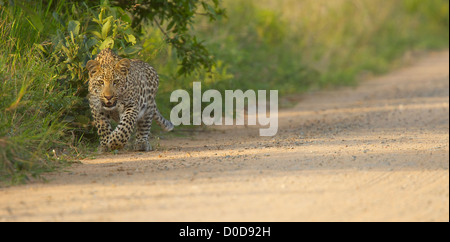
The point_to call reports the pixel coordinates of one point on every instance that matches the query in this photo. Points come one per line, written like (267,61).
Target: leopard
(123,90)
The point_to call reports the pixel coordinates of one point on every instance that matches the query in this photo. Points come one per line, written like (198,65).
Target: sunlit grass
(296,45)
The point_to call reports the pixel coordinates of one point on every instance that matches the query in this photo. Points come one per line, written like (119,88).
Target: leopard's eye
(101,82)
(116,82)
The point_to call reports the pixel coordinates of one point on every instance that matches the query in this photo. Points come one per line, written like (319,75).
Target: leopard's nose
(109,98)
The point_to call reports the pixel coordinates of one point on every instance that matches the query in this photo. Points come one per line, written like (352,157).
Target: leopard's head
(107,80)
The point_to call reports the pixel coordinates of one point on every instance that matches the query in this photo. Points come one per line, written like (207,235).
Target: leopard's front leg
(120,136)
(104,129)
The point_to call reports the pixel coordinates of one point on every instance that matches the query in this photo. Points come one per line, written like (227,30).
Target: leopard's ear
(123,66)
(93,67)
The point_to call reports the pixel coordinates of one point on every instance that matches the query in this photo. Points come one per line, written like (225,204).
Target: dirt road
(378,152)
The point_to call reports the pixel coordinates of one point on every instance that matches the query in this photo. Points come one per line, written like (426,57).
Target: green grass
(289,45)
(32,103)
(294,46)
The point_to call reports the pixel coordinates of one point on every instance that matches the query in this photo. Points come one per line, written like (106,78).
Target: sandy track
(378,152)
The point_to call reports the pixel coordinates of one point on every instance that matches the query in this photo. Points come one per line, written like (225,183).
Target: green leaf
(131,39)
(106,27)
(100,16)
(58,18)
(130,50)
(96,34)
(74,27)
(171,24)
(66,51)
(90,43)
(82,119)
(40,47)
(33,18)
(107,43)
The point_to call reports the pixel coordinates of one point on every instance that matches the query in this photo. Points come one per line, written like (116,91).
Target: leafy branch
(175,20)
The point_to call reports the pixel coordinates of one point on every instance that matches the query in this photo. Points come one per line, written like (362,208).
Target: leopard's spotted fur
(123,90)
